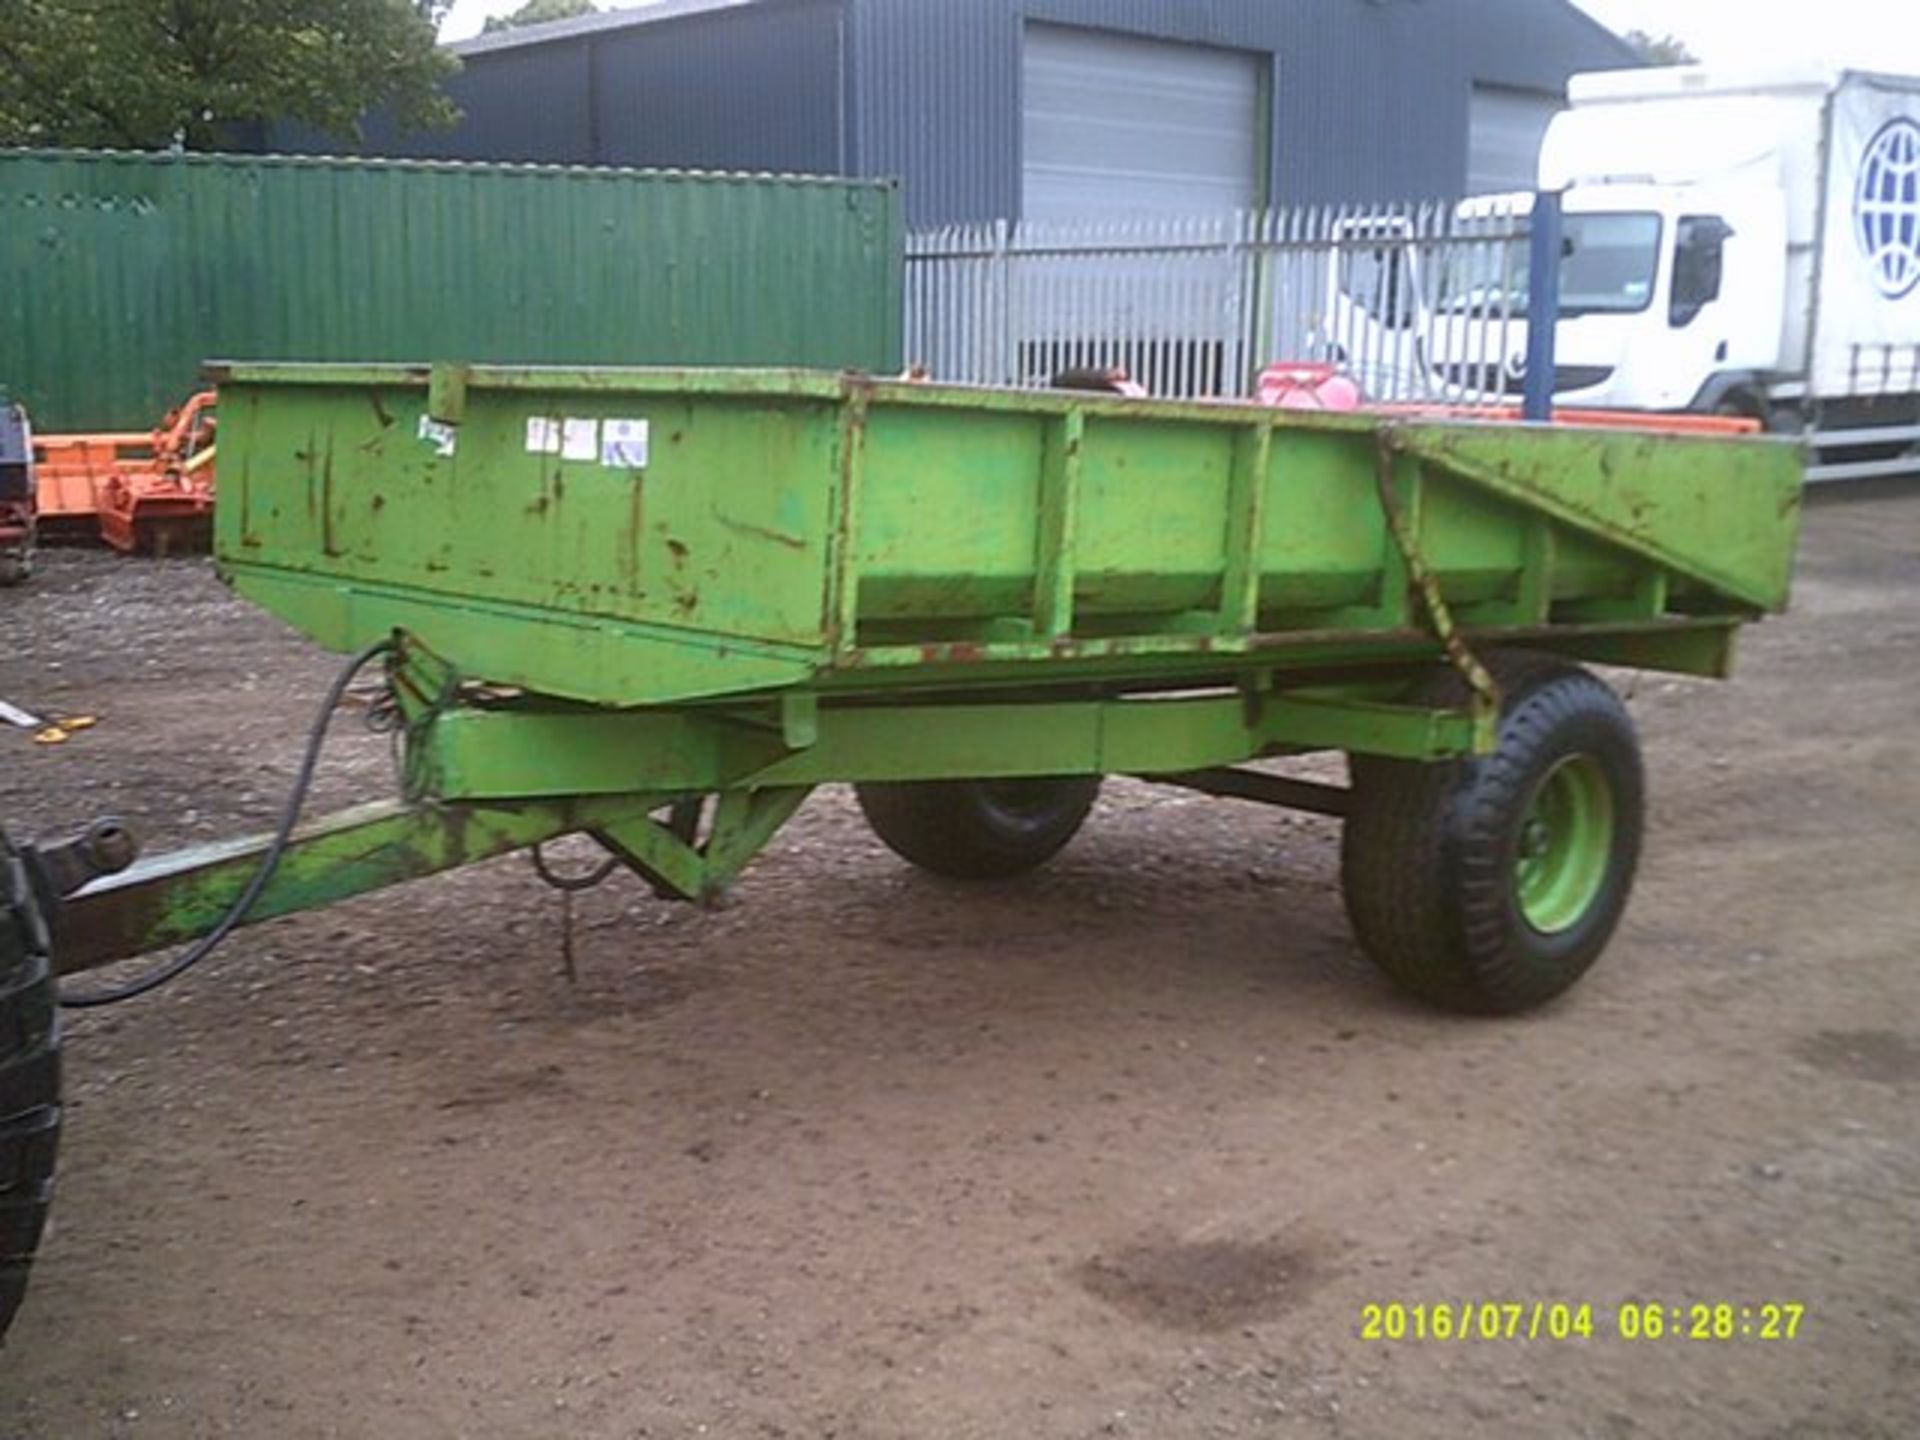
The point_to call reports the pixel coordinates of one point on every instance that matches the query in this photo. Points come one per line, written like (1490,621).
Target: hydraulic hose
(269,862)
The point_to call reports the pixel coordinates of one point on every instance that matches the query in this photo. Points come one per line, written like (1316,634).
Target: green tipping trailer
(658,607)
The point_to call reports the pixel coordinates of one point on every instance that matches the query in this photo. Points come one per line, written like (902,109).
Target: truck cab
(1675,251)
(1732,242)
(1670,298)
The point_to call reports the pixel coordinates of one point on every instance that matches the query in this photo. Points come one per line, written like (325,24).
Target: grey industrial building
(1032,109)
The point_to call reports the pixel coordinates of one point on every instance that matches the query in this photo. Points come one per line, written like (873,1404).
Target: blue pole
(1543,305)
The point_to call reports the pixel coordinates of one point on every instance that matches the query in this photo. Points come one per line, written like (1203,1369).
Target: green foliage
(1660,49)
(145,74)
(538,12)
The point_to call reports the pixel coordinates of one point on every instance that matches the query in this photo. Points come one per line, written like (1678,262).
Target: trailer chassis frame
(485,774)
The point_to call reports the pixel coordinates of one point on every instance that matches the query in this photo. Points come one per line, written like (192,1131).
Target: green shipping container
(121,274)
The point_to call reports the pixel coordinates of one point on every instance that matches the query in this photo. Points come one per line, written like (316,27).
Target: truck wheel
(1745,405)
(1491,884)
(978,829)
(29,1079)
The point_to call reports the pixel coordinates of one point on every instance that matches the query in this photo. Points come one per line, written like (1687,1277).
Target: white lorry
(1739,243)
(1749,244)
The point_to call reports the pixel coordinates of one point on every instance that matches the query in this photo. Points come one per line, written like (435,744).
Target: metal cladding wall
(121,274)
(740,89)
(749,88)
(1369,97)
(549,88)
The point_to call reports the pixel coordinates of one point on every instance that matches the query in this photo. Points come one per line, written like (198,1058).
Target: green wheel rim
(1566,840)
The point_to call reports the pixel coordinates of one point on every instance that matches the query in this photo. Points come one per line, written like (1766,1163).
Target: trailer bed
(651,537)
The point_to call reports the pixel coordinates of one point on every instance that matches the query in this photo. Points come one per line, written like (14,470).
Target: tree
(145,74)
(1660,49)
(538,12)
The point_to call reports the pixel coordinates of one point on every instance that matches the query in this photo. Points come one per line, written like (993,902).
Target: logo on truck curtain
(1886,208)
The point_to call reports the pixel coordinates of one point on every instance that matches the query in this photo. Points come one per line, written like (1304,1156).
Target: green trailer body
(609,594)
(608,599)
(638,539)
(659,607)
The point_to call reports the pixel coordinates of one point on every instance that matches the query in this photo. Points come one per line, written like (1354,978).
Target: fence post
(1009,346)
(1543,305)
(1243,376)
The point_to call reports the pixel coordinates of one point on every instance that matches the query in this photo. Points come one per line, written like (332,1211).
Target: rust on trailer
(1421,580)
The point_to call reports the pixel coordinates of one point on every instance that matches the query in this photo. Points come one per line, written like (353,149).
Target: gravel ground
(1123,1148)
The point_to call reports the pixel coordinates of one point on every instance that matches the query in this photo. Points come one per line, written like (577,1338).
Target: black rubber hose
(269,863)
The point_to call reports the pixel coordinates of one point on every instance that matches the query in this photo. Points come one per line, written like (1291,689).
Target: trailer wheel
(1491,885)
(979,829)
(29,1080)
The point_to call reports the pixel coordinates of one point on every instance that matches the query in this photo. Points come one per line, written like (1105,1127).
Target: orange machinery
(1665,422)
(151,492)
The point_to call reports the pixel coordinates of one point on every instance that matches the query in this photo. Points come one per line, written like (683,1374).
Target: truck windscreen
(1609,265)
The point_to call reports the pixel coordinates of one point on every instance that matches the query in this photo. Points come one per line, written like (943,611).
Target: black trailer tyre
(29,1080)
(1491,885)
(979,829)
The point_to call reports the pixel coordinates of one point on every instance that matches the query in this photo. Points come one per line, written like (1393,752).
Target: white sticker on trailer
(543,435)
(624,444)
(579,439)
(443,438)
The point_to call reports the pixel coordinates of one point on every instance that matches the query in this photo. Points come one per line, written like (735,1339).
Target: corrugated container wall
(1365,100)
(121,274)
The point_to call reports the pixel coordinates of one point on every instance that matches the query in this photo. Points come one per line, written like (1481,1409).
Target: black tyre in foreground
(29,1078)
(16,496)
(1490,885)
(979,829)
(16,564)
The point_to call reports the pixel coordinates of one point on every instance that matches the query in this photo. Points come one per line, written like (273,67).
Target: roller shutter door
(1504,131)
(1114,125)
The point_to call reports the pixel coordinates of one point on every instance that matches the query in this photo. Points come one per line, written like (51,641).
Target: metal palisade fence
(1416,302)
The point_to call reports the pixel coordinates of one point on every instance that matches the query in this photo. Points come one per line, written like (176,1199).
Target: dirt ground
(1120,1149)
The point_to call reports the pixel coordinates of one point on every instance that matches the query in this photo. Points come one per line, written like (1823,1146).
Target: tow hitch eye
(106,847)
